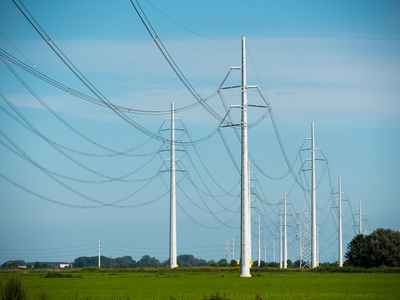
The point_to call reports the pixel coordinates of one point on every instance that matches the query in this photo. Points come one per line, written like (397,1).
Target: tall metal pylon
(313,204)
(280,242)
(360,218)
(305,237)
(265,250)
(284,233)
(228,251)
(99,255)
(259,241)
(340,252)
(233,247)
(172,237)
(245,234)
(300,247)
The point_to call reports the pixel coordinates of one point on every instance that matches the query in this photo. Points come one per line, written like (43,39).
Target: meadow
(165,284)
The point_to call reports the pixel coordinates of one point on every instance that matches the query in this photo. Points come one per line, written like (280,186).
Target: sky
(74,172)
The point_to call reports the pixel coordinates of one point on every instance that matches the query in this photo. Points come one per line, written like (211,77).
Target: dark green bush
(14,289)
(57,275)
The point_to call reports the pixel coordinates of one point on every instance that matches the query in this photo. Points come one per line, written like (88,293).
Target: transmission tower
(274,250)
(340,252)
(233,247)
(305,237)
(99,255)
(284,233)
(280,242)
(259,241)
(359,220)
(313,204)
(245,243)
(245,219)
(172,237)
(228,253)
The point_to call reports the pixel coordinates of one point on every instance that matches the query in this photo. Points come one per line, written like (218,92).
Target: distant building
(65,265)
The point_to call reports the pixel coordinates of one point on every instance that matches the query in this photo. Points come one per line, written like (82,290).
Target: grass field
(205,285)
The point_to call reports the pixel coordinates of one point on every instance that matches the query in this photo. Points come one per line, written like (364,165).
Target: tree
(147,261)
(384,246)
(296,264)
(124,261)
(233,263)
(273,264)
(289,263)
(358,252)
(223,263)
(380,248)
(10,265)
(188,260)
(133,264)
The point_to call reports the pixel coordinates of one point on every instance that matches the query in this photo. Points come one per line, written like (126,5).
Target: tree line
(185,260)
(380,248)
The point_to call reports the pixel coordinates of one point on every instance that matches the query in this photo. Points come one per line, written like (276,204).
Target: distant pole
(301,248)
(313,205)
(172,238)
(284,234)
(99,254)
(233,247)
(280,241)
(245,243)
(360,219)
(340,225)
(274,250)
(259,241)
(265,250)
(228,251)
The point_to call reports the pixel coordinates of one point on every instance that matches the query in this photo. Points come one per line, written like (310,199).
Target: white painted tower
(245,234)
(313,204)
(172,238)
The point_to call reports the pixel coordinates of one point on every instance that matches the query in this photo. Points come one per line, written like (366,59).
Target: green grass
(201,285)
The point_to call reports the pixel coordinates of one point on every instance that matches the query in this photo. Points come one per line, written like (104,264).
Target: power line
(185,28)
(79,75)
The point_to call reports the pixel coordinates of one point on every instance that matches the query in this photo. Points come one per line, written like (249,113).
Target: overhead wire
(54,178)
(35,72)
(208,210)
(23,156)
(201,161)
(63,153)
(185,28)
(171,61)
(62,120)
(78,74)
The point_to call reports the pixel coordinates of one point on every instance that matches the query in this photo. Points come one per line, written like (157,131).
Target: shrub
(14,289)
(44,295)
(57,275)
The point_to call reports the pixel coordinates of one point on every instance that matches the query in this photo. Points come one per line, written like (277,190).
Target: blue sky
(335,63)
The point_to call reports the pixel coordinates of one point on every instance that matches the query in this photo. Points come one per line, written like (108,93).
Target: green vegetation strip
(207,284)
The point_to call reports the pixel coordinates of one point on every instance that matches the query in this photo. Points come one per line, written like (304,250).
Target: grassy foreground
(209,285)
